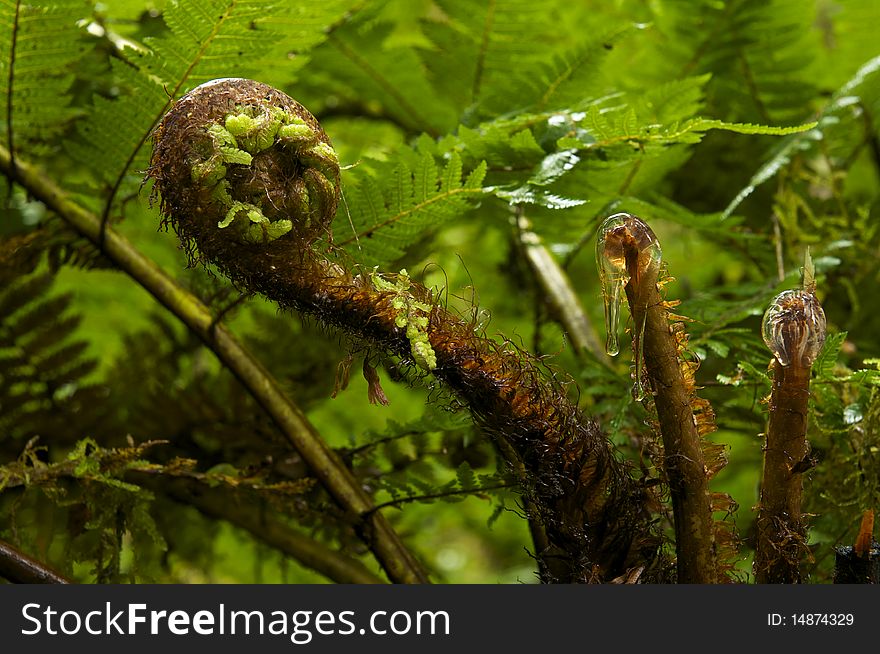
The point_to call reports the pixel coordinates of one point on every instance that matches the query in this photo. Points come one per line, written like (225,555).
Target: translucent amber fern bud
(238,160)
(625,245)
(794,328)
(627,251)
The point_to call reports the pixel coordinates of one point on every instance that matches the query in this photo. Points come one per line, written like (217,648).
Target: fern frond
(43,371)
(862,83)
(759,54)
(392,213)
(514,39)
(302,27)
(359,71)
(573,78)
(605,128)
(39,47)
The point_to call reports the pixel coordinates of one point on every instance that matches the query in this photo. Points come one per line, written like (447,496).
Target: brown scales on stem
(629,254)
(593,512)
(794,329)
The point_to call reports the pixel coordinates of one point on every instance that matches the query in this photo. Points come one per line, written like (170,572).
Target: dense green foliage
(744,131)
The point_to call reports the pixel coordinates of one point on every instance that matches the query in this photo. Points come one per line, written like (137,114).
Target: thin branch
(436,496)
(558,291)
(325,464)
(355,451)
(19,568)
(777,242)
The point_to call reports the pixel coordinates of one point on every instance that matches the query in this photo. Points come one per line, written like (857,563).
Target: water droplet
(794,328)
(852,414)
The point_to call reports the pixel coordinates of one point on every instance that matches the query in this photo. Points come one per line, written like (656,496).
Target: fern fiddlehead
(593,512)
(628,256)
(794,330)
(256,159)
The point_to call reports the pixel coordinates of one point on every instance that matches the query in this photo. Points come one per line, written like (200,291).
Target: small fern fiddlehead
(207,167)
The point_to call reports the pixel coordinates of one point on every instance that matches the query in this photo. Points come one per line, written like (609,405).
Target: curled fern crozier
(206,164)
(240,161)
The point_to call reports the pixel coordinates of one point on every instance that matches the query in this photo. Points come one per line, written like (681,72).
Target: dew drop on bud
(794,328)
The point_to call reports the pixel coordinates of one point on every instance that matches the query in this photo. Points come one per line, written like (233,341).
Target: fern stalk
(557,289)
(629,255)
(400,565)
(10,84)
(794,329)
(781,532)
(593,511)
(19,568)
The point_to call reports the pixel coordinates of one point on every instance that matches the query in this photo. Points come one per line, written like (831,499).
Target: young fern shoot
(249,182)
(794,330)
(628,256)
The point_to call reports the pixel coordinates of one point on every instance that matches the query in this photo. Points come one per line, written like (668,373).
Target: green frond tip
(239,140)
(809,273)
(705,124)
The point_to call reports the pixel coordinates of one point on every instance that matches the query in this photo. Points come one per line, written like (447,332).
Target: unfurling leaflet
(627,252)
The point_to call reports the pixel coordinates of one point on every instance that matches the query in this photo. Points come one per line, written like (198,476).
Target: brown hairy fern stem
(781,532)
(794,330)
(629,257)
(593,512)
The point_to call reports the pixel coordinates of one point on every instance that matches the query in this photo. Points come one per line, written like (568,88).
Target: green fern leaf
(823,367)
(466,477)
(859,85)
(389,215)
(569,81)
(362,74)
(514,39)
(42,369)
(759,53)
(699,125)
(39,47)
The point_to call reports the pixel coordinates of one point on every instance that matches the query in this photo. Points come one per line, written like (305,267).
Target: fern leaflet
(39,46)
(389,214)
(847,95)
